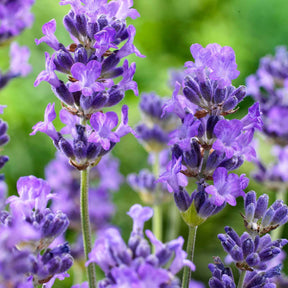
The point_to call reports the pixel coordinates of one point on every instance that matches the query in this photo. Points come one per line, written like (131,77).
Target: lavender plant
(207,146)
(101,39)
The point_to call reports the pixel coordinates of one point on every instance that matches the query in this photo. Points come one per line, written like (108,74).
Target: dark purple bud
(237,253)
(231,232)
(176,151)
(102,21)
(232,163)
(211,122)
(81,24)
(94,102)
(69,24)
(193,157)
(219,95)
(250,198)
(80,55)
(93,151)
(214,160)
(66,263)
(206,90)
(267,218)
(230,103)
(92,29)
(248,247)
(191,83)
(280,214)
(269,253)
(66,147)
(191,95)
(261,207)
(110,62)
(76,96)
(253,259)
(163,256)
(133,242)
(249,212)
(64,61)
(240,93)
(80,149)
(182,199)
(63,94)
(143,249)
(115,96)
(113,73)
(54,265)
(275,271)
(227,243)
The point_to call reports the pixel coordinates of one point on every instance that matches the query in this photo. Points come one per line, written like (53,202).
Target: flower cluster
(90,63)
(206,146)
(26,234)
(252,252)
(134,265)
(65,183)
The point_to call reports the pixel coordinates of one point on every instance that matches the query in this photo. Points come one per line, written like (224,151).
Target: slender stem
(281,194)
(174,222)
(190,255)
(241,279)
(157,219)
(86,230)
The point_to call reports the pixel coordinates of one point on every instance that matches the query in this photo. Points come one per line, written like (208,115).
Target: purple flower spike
(226,187)
(86,76)
(139,215)
(19,60)
(50,39)
(47,127)
(103,124)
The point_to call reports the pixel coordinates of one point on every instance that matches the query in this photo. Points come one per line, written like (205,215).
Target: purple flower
(50,39)
(86,76)
(227,132)
(127,83)
(103,124)
(226,187)
(139,215)
(218,61)
(33,193)
(48,74)
(47,127)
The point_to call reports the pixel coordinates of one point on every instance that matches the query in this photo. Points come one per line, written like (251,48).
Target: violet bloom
(226,187)
(133,264)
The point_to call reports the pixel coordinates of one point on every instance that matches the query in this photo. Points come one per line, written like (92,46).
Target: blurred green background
(165,31)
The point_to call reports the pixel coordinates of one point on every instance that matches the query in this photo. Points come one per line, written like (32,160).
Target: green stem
(241,279)
(281,194)
(190,255)
(86,230)
(157,220)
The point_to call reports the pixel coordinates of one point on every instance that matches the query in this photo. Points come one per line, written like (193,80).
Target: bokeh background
(165,32)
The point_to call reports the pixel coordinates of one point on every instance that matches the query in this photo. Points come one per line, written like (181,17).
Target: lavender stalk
(86,229)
